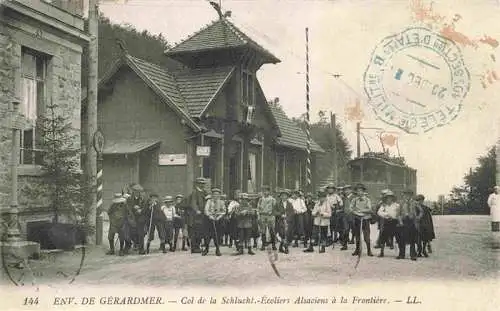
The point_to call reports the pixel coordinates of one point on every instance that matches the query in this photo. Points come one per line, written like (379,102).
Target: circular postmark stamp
(416,80)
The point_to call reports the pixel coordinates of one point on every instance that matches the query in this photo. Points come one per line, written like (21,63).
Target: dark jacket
(287,211)
(196,207)
(117,213)
(426,224)
(244,215)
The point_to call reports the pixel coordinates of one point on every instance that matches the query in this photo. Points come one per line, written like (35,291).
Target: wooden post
(91,158)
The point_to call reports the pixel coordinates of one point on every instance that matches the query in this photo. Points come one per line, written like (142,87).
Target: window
(247,88)
(280,170)
(33,92)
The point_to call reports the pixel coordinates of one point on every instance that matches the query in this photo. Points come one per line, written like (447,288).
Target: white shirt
(169,211)
(299,206)
(232,205)
(389,211)
(494,204)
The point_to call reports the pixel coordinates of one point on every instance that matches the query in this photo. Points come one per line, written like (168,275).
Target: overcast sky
(342,35)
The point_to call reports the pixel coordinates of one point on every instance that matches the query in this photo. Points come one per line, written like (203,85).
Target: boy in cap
(388,212)
(179,223)
(426,228)
(409,220)
(195,214)
(335,202)
(299,209)
(117,216)
(156,221)
(361,207)
(322,213)
(170,212)
(285,221)
(244,213)
(347,197)
(268,211)
(215,209)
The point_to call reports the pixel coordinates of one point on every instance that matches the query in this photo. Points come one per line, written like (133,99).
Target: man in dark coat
(179,223)
(409,221)
(308,218)
(117,213)
(138,206)
(426,228)
(361,208)
(195,215)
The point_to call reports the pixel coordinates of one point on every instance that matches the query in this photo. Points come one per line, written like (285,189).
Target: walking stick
(215,232)
(360,244)
(150,222)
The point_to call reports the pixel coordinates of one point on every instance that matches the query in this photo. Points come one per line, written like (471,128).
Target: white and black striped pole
(98,142)
(308,129)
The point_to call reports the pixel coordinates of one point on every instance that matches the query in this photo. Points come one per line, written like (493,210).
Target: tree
(478,183)
(61,182)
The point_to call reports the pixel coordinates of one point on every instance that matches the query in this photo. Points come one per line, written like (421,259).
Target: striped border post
(308,129)
(99,200)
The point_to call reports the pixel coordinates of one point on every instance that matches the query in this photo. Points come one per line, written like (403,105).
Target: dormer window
(247,88)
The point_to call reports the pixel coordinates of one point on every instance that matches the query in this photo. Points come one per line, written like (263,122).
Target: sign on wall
(172,159)
(202,151)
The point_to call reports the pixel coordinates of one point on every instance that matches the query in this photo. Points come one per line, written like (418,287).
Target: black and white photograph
(249,154)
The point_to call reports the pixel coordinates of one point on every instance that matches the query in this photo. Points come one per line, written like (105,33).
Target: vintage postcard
(249,154)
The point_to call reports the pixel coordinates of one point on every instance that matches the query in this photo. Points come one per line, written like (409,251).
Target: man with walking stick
(215,209)
(361,207)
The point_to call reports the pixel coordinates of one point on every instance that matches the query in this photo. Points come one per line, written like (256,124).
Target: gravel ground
(462,251)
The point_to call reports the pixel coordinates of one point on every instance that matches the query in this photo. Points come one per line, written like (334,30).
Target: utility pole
(333,125)
(91,158)
(358,139)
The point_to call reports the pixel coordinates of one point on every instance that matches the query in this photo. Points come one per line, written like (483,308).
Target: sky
(342,36)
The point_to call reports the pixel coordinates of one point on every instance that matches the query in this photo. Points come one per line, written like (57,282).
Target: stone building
(209,117)
(40,63)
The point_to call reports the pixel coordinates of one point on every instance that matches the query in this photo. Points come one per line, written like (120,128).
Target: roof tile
(291,134)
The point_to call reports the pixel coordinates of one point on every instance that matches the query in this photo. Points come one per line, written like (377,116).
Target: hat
(137,187)
(179,196)
(118,198)
(200,180)
(168,198)
(126,195)
(285,191)
(321,194)
(216,190)
(347,187)
(244,196)
(388,193)
(330,185)
(359,186)
(384,191)
(419,197)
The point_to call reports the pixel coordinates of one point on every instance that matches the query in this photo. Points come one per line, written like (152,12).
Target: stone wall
(63,89)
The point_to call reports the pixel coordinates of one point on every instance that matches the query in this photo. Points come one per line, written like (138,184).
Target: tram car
(377,171)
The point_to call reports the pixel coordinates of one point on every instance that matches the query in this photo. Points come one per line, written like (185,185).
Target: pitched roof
(220,34)
(129,146)
(200,86)
(291,134)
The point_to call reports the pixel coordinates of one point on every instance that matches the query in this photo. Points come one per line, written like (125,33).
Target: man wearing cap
(335,203)
(244,213)
(138,206)
(116,213)
(361,207)
(409,220)
(285,220)
(156,221)
(322,213)
(214,211)
(195,215)
(179,223)
(233,222)
(426,227)
(267,209)
(388,212)
(347,197)
(380,221)
(299,209)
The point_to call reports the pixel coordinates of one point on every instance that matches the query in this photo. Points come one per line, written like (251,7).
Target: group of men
(333,214)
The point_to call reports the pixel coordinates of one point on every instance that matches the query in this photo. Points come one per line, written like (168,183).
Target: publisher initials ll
(413,300)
